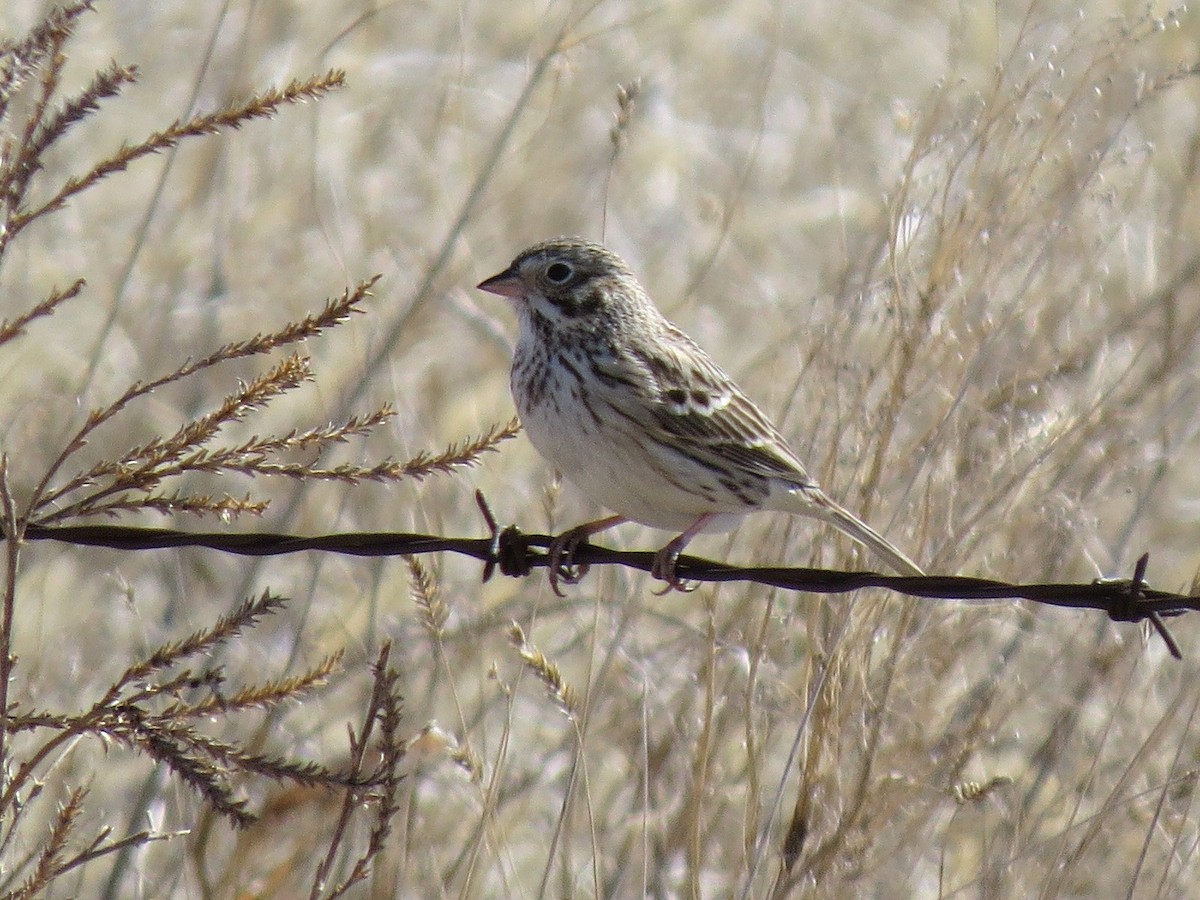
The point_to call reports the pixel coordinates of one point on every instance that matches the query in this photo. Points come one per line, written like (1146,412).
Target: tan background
(949,247)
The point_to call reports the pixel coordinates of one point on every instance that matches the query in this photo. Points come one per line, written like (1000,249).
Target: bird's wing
(682,399)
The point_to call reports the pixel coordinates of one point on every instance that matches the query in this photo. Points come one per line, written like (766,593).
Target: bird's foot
(563,567)
(561,552)
(664,570)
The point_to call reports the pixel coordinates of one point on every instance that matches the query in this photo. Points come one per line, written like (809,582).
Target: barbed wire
(514,553)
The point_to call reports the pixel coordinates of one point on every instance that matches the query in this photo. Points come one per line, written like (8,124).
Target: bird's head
(570,284)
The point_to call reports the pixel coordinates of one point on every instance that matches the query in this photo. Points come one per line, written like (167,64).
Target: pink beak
(507,284)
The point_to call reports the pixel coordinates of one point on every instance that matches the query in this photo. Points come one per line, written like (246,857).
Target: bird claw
(563,567)
(676,584)
(564,570)
(664,570)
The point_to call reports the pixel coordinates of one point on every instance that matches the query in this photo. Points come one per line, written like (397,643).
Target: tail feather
(819,506)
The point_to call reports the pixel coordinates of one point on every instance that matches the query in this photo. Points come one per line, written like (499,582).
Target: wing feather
(686,401)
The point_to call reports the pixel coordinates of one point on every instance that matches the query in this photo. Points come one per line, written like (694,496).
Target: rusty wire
(517,554)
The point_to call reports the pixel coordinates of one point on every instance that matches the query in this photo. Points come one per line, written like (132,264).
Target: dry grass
(951,247)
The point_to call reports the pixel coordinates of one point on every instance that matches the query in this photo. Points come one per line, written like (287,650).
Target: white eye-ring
(559,272)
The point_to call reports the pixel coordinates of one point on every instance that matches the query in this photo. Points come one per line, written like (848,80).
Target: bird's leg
(664,561)
(562,551)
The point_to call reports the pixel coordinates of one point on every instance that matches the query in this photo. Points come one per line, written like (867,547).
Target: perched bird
(639,418)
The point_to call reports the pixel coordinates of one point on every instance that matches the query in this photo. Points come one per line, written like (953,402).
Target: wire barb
(1128,603)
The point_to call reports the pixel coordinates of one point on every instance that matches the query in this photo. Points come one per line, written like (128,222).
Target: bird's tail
(821,507)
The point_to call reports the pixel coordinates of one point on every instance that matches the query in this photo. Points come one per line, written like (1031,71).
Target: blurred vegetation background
(951,248)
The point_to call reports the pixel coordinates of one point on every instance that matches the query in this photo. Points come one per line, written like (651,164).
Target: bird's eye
(559,272)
